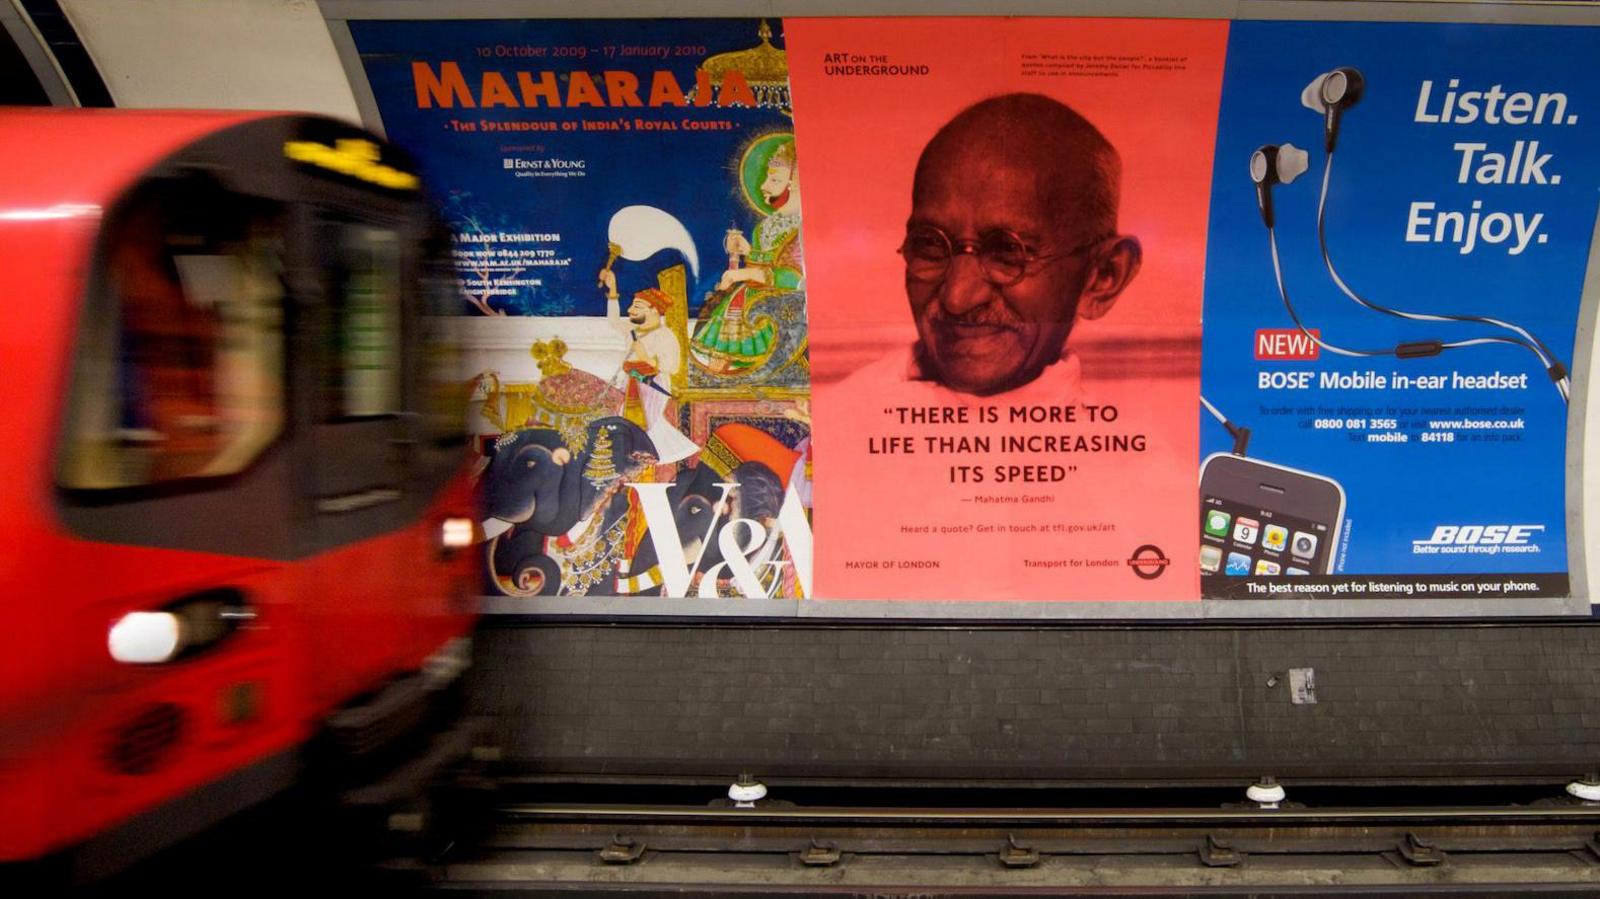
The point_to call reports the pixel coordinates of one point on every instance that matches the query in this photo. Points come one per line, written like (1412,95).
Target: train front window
(180,370)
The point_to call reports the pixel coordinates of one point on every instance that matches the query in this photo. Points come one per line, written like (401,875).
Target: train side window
(180,368)
(365,370)
(444,379)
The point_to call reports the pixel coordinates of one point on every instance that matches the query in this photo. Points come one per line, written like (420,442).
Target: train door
(358,474)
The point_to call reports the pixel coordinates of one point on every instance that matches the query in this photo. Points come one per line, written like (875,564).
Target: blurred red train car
(233,501)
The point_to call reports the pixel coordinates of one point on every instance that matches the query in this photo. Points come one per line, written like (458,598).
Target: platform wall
(1054,703)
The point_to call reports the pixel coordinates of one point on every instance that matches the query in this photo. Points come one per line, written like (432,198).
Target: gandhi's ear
(1114,268)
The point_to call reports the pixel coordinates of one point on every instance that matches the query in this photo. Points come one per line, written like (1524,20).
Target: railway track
(528,846)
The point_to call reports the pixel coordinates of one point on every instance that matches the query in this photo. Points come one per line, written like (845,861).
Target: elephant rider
(653,357)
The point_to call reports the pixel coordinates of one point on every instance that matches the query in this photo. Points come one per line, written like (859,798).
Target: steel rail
(1059,817)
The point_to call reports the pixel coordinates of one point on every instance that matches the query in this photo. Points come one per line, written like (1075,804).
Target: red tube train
(233,500)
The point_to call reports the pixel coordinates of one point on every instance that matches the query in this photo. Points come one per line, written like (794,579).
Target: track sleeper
(1016,855)
(622,851)
(1215,853)
(1419,852)
(820,855)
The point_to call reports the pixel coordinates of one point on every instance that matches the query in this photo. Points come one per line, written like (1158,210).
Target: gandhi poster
(1005,248)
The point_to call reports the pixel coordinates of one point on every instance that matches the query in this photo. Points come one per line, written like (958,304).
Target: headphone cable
(1240,433)
(1418,349)
(1547,358)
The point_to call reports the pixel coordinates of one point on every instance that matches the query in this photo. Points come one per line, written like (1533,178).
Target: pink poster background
(891,524)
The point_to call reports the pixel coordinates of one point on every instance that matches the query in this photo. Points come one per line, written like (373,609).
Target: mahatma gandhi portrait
(1012,239)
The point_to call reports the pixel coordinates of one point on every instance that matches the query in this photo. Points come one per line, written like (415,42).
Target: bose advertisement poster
(1097,318)
(1390,309)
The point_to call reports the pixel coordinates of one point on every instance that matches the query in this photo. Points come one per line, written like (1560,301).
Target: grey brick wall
(1055,703)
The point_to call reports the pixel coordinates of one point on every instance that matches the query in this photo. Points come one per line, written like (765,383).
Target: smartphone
(1259,519)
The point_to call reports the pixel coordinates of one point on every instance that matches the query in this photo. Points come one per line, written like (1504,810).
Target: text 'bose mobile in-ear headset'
(1331,93)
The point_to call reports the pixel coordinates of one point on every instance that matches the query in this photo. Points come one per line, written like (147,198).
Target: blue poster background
(1385,161)
(690,172)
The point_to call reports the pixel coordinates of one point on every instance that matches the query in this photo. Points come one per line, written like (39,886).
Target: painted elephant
(536,489)
(530,481)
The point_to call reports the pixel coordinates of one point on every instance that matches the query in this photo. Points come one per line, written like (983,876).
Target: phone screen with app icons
(1260,519)
(1238,540)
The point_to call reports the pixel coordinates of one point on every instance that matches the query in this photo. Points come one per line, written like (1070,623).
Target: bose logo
(1480,535)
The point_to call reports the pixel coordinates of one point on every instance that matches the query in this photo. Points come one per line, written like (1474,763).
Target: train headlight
(456,533)
(145,638)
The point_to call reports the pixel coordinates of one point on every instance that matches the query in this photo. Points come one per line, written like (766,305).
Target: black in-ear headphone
(1274,164)
(1331,93)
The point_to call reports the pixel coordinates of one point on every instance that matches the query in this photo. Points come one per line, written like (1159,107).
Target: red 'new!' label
(1286,343)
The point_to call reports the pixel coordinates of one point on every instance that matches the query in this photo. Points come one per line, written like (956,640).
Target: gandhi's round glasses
(1003,257)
